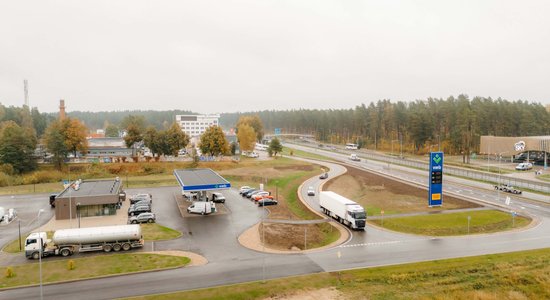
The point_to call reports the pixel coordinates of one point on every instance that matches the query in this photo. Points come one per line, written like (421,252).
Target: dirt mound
(287,236)
(320,294)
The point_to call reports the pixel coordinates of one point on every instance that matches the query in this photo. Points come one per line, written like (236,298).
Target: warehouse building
(89,198)
(533,148)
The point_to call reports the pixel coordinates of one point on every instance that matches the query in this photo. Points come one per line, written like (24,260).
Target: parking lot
(213,236)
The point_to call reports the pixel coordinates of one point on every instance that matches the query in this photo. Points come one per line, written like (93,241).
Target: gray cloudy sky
(226,56)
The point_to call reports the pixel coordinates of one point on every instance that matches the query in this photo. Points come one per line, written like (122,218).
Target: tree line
(454,124)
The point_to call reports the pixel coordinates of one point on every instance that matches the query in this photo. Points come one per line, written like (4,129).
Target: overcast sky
(227,56)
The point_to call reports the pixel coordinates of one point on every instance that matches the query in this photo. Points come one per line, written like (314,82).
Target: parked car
(244,189)
(310,191)
(218,197)
(138,210)
(260,195)
(249,193)
(134,206)
(323,176)
(182,152)
(524,166)
(189,195)
(145,217)
(251,154)
(141,203)
(267,201)
(138,197)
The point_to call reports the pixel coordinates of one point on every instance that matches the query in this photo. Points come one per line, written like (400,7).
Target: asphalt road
(215,237)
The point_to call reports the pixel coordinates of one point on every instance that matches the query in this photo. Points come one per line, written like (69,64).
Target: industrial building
(532,148)
(196,125)
(89,198)
(108,147)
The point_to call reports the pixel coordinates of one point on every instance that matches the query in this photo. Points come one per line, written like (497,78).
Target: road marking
(370,244)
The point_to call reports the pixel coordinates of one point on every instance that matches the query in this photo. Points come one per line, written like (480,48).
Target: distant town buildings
(196,125)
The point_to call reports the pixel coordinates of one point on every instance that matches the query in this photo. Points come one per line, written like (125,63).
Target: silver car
(146,217)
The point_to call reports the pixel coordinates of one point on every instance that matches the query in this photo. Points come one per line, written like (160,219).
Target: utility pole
(26,89)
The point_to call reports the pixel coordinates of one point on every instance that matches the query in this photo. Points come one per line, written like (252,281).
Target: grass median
(482,221)
(89,267)
(518,275)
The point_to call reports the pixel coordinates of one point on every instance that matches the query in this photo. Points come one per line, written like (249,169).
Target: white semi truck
(65,242)
(343,209)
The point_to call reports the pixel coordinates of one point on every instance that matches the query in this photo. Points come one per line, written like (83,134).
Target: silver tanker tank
(97,234)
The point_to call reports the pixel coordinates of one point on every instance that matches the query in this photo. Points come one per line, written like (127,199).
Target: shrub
(7,169)
(43,176)
(5,179)
(71,265)
(9,272)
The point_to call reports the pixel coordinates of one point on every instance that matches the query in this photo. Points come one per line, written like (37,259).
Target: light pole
(78,213)
(40,254)
(19,225)
(498,183)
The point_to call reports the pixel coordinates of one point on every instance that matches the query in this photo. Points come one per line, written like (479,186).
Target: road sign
(277,131)
(435,183)
(508,200)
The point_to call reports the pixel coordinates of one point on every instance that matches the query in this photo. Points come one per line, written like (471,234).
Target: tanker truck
(343,209)
(65,242)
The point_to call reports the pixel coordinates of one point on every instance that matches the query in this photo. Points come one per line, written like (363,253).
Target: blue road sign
(435,191)
(277,131)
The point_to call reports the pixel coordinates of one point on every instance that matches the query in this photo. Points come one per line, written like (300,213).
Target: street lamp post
(499,174)
(19,226)
(78,213)
(40,254)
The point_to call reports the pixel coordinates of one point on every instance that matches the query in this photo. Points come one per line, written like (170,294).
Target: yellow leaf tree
(247,137)
(213,141)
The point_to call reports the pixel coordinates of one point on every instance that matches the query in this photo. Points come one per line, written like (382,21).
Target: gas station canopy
(201,180)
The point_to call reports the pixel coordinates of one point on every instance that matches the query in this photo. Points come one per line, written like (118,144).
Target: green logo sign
(437,159)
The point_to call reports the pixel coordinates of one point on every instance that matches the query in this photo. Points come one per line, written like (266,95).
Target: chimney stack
(61,109)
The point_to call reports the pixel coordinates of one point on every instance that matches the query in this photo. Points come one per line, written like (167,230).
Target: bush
(9,272)
(71,265)
(43,176)
(5,180)
(7,169)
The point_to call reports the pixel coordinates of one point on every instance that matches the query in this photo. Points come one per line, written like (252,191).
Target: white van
(351,146)
(202,207)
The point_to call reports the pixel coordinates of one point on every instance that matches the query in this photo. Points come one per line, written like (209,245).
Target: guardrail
(456,171)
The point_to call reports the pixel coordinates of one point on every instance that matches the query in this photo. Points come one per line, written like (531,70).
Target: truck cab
(35,243)
(356,217)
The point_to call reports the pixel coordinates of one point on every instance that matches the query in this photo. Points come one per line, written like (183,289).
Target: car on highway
(524,166)
(267,201)
(323,176)
(145,217)
(310,191)
(508,189)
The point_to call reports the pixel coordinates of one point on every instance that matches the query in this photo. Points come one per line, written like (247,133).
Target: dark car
(323,176)
(52,200)
(267,201)
(249,193)
(134,211)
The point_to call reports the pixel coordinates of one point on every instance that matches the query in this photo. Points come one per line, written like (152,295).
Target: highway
(215,237)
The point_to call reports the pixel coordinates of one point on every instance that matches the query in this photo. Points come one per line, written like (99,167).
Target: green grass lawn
(518,275)
(483,221)
(89,267)
(305,154)
(156,232)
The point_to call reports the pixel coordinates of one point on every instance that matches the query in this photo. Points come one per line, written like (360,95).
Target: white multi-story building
(195,125)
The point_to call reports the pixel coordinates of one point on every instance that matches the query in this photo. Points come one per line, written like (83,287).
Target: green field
(305,154)
(156,232)
(84,268)
(482,221)
(518,275)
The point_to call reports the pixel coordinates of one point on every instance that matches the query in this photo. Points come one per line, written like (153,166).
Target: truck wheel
(116,247)
(126,246)
(65,252)
(107,248)
(35,255)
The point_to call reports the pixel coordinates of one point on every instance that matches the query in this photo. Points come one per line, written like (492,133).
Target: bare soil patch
(377,193)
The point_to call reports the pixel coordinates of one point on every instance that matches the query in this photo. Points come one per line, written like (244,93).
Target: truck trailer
(343,209)
(65,242)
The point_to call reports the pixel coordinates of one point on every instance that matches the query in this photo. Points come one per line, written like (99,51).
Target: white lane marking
(370,244)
